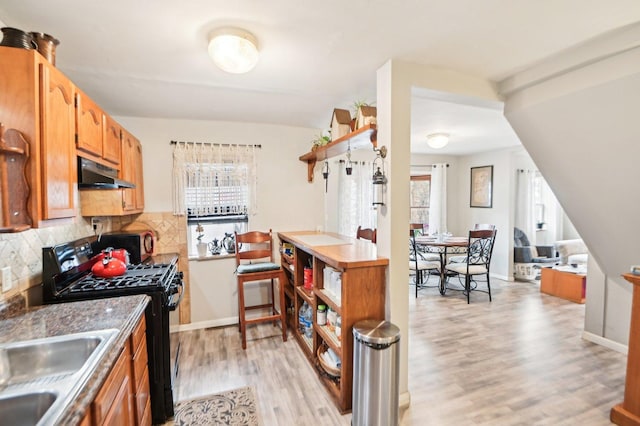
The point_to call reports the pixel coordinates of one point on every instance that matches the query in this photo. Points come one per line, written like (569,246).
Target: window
(215,188)
(419,198)
(355,197)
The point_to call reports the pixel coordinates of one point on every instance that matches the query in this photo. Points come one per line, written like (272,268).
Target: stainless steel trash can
(376,366)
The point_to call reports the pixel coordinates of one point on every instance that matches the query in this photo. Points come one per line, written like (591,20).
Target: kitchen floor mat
(234,407)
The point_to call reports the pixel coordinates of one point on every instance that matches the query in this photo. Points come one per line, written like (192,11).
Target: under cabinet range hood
(92,175)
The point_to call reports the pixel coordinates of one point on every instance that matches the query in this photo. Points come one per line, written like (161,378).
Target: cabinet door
(128,171)
(112,140)
(58,159)
(89,125)
(139,178)
(113,404)
(120,412)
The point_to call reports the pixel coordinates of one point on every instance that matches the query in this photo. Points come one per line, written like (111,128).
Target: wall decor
(481,187)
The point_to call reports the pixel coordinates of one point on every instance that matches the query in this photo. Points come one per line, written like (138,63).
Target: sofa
(528,259)
(572,252)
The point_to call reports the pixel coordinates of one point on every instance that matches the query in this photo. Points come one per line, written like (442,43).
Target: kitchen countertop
(122,313)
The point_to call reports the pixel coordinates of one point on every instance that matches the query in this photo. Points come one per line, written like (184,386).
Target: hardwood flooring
(518,360)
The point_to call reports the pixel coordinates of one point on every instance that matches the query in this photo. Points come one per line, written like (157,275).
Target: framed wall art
(481,187)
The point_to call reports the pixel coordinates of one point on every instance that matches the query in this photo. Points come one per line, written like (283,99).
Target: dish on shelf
(330,370)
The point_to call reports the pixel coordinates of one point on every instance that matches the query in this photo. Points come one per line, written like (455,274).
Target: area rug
(235,407)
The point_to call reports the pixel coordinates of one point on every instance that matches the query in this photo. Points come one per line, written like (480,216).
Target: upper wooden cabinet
(112,147)
(124,201)
(37,100)
(98,135)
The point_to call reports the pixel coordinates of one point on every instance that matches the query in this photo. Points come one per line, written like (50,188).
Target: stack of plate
(14,37)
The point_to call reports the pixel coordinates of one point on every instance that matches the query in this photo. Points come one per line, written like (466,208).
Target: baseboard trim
(501,277)
(404,401)
(607,343)
(222,322)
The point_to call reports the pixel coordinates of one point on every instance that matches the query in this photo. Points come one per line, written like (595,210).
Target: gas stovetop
(67,273)
(137,276)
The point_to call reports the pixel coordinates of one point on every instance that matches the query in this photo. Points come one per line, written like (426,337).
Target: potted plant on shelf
(320,140)
(201,246)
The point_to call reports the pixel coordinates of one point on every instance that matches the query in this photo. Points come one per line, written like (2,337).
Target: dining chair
(366,234)
(254,262)
(419,264)
(476,227)
(479,251)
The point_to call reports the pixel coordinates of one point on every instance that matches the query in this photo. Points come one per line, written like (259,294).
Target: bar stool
(256,248)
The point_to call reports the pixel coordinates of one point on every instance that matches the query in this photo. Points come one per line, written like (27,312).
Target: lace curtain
(438,199)
(214,179)
(355,199)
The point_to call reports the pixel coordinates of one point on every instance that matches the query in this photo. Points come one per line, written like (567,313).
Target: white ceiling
(148,58)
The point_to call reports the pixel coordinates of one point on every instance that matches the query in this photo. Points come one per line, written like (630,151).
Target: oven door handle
(174,305)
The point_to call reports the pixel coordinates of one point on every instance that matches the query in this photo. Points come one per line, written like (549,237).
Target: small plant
(357,104)
(200,231)
(320,140)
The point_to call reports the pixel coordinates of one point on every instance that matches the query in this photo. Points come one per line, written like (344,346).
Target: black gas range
(66,276)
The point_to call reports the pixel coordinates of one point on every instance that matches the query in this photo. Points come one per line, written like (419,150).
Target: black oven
(66,276)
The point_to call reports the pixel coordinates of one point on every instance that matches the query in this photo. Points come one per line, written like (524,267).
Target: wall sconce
(379,179)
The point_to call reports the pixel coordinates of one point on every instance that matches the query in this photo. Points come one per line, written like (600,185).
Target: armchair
(528,259)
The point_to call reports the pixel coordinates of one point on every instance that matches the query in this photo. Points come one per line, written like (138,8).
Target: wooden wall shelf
(361,138)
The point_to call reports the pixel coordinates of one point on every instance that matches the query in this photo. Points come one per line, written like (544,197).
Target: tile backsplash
(22,251)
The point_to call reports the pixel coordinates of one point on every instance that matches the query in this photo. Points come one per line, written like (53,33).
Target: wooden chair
(256,248)
(366,234)
(479,250)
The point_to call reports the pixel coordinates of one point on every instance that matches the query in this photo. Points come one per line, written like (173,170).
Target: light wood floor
(518,360)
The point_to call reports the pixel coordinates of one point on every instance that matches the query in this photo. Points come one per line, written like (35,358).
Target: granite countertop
(122,313)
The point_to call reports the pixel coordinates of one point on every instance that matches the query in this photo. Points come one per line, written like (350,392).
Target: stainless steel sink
(54,356)
(40,378)
(26,409)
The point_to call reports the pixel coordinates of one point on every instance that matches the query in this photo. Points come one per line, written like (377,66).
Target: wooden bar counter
(628,412)
(361,296)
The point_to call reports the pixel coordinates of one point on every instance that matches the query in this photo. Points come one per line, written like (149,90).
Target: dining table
(443,246)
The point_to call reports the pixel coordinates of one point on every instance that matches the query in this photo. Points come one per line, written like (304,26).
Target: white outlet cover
(6,279)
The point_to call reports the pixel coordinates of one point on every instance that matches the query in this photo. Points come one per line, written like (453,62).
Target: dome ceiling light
(233,50)
(438,140)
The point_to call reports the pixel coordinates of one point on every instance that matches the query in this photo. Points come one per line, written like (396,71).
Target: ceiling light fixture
(438,140)
(233,50)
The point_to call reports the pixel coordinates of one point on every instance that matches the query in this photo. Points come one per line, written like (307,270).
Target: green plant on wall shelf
(357,104)
(320,140)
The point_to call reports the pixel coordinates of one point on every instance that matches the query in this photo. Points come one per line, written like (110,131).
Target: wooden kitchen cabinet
(37,100)
(112,405)
(89,127)
(112,146)
(98,135)
(362,296)
(122,201)
(132,172)
(140,375)
(124,398)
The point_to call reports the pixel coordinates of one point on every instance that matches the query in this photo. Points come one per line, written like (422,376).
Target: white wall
(286,202)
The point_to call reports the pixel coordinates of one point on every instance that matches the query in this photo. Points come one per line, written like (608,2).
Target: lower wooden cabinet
(112,405)
(124,398)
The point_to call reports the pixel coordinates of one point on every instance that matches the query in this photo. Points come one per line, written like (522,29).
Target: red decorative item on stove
(108,266)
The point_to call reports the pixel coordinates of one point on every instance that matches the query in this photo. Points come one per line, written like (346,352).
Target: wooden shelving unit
(363,137)
(627,413)
(362,297)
